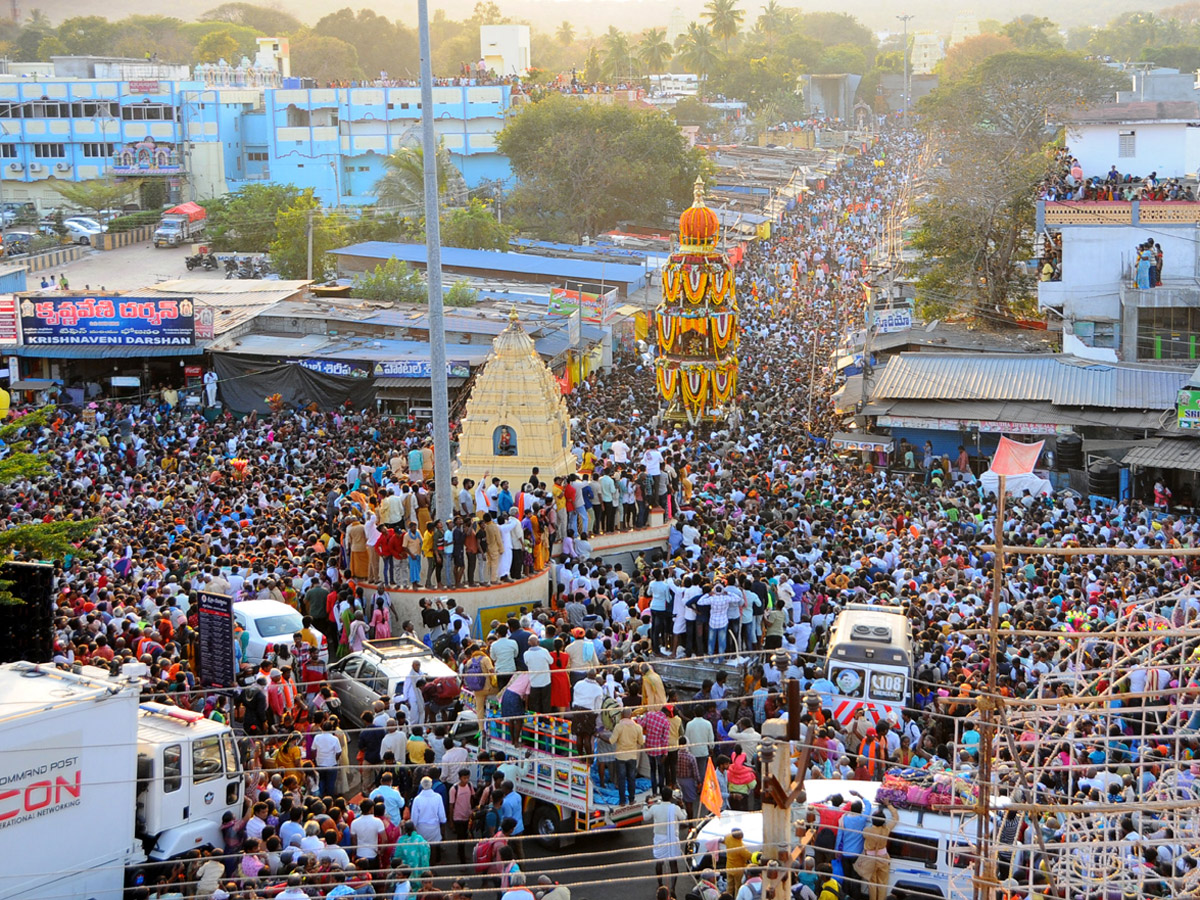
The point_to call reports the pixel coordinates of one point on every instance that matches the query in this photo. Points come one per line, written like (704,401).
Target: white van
(870,662)
(932,852)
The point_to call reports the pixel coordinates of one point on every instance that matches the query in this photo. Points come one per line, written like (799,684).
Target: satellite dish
(932,325)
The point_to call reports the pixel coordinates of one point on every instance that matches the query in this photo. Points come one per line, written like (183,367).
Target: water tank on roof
(1104,478)
(1070,452)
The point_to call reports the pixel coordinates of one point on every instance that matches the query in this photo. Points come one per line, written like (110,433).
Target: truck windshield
(206,759)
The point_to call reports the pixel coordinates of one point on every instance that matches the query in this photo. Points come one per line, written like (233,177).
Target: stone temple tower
(516,417)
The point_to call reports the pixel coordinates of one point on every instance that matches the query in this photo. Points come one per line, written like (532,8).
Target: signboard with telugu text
(108,320)
(418,368)
(890,321)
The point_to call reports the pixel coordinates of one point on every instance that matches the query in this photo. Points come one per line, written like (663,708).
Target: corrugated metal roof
(1061,380)
(1167,454)
(91,351)
(496,261)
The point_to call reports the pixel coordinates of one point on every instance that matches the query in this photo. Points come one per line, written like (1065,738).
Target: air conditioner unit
(35,167)
(16,167)
(63,167)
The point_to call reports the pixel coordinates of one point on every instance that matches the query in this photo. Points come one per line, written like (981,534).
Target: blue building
(335,139)
(212,130)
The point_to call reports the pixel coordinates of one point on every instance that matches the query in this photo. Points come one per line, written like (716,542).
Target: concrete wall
(1164,148)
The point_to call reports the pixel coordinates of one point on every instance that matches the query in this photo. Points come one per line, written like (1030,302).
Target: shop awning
(403,388)
(33,384)
(845,440)
(94,351)
(1167,454)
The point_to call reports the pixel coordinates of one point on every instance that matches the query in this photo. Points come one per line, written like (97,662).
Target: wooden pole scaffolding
(1084,848)
(985,883)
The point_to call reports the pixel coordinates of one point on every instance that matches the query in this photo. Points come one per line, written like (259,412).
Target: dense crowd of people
(771,533)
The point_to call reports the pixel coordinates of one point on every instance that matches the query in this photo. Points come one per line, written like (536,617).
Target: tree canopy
(975,228)
(35,541)
(581,168)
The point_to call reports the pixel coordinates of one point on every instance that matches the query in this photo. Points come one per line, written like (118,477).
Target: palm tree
(403,182)
(725,19)
(655,50)
(618,57)
(566,33)
(697,50)
(772,22)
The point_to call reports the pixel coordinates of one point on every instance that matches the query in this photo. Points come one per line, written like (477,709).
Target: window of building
(148,112)
(8,151)
(50,151)
(91,109)
(42,109)
(1168,333)
(256,156)
(1126,143)
(98,151)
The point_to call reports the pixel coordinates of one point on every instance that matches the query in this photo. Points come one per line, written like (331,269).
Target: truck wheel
(546,825)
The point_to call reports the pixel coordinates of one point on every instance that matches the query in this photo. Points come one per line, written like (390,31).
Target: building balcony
(159,163)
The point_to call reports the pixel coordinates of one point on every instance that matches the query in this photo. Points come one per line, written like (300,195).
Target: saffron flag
(1015,458)
(710,793)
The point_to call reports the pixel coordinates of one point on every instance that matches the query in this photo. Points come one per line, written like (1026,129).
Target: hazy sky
(635,15)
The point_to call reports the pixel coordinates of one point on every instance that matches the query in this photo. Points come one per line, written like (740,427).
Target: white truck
(558,795)
(180,224)
(95,783)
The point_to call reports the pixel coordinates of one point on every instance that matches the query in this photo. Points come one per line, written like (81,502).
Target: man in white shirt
(326,751)
(537,662)
(367,829)
(429,813)
(620,451)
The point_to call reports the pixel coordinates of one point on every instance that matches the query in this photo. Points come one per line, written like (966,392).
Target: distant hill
(634,15)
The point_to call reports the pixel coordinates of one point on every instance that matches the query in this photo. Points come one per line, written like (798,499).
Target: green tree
(565,34)
(975,229)
(842,58)
(697,50)
(324,59)
(245,219)
(461,294)
(831,28)
(51,46)
(618,56)
(152,193)
(97,194)
(36,541)
(1032,33)
(289,250)
(218,45)
(655,51)
(487,13)
(394,281)
(772,22)
(475,227)
(403,183)
(581,168)
(381,44)
(88,35)
(724,19)
(270,21)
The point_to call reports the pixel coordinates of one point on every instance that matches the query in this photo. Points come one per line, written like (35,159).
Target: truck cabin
(870,659)
(188,768)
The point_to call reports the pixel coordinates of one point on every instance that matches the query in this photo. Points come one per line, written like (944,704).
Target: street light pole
(904,106)
(433,271)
